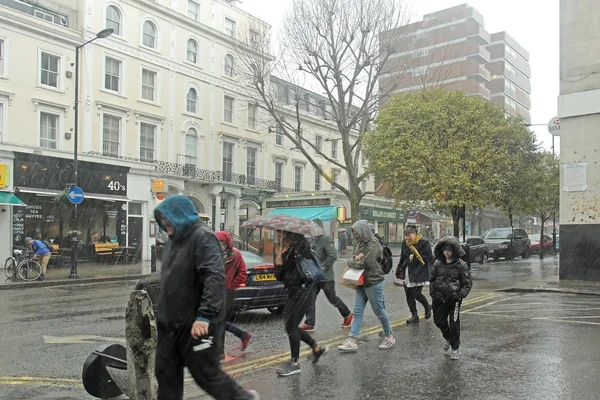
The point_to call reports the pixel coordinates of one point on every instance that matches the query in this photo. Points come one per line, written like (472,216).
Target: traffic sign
(75,195)
(554,126)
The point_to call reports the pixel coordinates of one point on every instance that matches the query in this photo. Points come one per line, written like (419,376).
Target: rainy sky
(533,23)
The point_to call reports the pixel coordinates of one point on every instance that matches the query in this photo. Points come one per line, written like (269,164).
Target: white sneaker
(387,343)
(348,346)
(455,354)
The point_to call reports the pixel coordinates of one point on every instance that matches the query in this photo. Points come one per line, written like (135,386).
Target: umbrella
(283,222)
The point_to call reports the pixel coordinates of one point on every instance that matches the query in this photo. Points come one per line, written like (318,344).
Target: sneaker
(245,342)
(398,282)
(307,328)
(41,277)
(387,343)
(348,321)
(254,394)
(455,354)
(428,311)
(348,346)
(289,369)
(318,354)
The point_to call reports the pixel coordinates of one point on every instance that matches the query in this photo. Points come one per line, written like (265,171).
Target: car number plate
(264,277)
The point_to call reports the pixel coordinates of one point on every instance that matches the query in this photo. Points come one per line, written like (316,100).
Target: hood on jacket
(179,211)
(320,223)
(363,230)
(372,228)
(225,236)
(457,249)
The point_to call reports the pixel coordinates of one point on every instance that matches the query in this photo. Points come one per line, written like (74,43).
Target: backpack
(387,263)
(48,245)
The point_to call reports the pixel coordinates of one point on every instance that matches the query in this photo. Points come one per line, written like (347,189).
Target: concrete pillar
(140,335)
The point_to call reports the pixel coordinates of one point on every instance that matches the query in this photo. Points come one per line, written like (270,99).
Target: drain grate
(114,318)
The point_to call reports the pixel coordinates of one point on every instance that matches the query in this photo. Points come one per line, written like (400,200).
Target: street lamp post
(261,247)
(74,236)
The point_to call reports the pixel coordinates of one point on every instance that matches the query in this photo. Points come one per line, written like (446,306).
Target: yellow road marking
(552,319)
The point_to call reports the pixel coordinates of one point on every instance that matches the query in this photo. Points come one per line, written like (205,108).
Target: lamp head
(104,33)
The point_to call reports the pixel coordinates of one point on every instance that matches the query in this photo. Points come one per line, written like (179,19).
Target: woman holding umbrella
(290,246)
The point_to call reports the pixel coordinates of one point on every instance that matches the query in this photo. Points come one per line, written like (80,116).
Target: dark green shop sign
(381,214)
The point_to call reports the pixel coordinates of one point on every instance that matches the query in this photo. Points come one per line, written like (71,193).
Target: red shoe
(245,341)
(348,321)
(307,328)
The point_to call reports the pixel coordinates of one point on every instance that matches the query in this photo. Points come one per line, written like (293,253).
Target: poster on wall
(18,225)
(575,177)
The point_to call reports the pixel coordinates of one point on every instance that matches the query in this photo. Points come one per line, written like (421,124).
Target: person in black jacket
(300,297)
(450,284)
(190,305)
(413,271)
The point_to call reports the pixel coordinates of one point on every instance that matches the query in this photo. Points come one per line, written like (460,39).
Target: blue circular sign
(75,195)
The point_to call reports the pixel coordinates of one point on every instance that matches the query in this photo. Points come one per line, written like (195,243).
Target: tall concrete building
(451,49)
(579,113)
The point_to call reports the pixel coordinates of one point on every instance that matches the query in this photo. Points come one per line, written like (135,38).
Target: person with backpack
(324,248)
(368,251)
(450,283)
(413,269)
(290,249)
(42,252)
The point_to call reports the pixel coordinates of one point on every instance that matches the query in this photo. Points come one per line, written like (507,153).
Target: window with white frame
(317,179)
(192,101)
(278,175)
(420,71)
(191,54)
(193,10)
(112,74)
(335,177)
(49,70)
(49,130)
(2,56)
(2,122)
(191,147)
(363,185)
(148,85)
(252,116)
(149,35)
(510,103)
(319,143)
(251,162)
(147,137)
(510,68)
(511,86)
(228,105)
(111,133)
(254,37)
(228,149)
(229,27)
(228,66)
(334,149)
(113,20)
(279,136)
(510,51)
(298,178)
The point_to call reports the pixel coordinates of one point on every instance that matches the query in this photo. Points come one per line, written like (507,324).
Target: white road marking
(80,339)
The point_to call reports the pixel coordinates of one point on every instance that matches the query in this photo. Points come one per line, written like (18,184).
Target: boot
(427,310)
(413,320)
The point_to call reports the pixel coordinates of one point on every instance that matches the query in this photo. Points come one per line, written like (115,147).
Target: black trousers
(227,326)
(328,287)
(413,294)
(175,350)
(298,302)
(446,316)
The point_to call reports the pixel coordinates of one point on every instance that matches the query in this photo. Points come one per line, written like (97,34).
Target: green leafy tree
(444,148)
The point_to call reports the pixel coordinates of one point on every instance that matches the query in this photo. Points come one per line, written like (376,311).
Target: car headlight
(503,246)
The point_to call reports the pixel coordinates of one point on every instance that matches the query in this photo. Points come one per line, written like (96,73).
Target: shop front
(388,222)
(41,183)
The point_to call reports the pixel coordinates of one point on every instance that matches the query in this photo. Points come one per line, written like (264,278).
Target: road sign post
(75,196)
(554,129)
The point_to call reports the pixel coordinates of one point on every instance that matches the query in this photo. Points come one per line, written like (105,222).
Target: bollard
(153,258)
(140,335)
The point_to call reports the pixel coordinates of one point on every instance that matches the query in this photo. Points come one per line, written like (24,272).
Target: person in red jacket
(235,276)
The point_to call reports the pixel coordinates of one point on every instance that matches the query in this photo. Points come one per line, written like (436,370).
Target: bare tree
(332,47)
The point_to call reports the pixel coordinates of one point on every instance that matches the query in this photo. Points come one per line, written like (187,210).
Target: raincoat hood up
(179,211)
(363,230)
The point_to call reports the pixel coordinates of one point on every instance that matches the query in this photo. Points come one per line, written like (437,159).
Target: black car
(508,243)
(261,289)
(479,249)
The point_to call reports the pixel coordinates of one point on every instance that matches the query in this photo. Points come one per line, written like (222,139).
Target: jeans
(236,330)
(299,299)
(374,295)
(446,316)
(175,350)
(328,288)
(413,294)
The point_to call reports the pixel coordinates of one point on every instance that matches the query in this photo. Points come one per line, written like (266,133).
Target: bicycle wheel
(30,270)
(10,267)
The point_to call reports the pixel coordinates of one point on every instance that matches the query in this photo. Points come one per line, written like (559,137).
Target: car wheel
(275,310)
(526,254)
(484,259)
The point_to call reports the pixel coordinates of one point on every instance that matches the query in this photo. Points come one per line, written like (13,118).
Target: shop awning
(324,213)
(9,199)
(432,216)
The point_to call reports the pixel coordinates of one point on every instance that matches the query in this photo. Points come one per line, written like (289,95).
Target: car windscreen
(252,260)
(534,238)
(499,234)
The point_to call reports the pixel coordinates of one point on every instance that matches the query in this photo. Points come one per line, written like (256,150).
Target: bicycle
(22,264)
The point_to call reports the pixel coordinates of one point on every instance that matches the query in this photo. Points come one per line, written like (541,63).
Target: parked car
(536,245)
(503,243)
(479,249)
(261,289)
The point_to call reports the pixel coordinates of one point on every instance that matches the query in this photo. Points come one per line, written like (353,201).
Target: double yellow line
(39,381)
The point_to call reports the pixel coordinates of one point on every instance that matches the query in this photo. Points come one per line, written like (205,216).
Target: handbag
(311,270)
(352,277)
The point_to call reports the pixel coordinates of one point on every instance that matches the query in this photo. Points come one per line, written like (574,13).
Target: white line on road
(80,339)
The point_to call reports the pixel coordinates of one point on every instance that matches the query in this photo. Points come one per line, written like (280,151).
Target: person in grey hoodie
(369,250)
